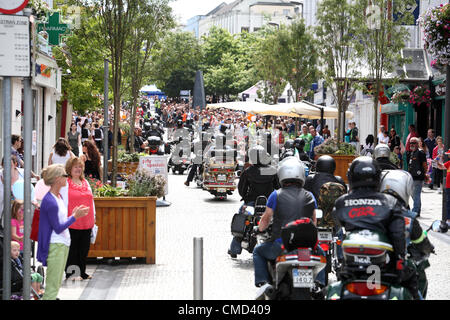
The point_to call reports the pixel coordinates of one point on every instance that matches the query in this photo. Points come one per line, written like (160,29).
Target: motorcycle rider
(399,184)
(325,167)
(198,148)
(259,179)
(364,207)
(381,154)
(299,145)
(154,131)
(289,149)
(289,203)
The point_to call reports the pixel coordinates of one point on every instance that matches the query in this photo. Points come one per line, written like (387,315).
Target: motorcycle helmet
(299,143)
(154,126)
(258,156)
(291,169)
(289,144)
(326,164)
(146,126)
(382,151)
(180,123)
(399,183)
(364,172)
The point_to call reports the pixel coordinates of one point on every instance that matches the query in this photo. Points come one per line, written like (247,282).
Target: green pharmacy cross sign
(54,28)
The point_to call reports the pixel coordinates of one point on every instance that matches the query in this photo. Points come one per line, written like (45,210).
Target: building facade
(245,15)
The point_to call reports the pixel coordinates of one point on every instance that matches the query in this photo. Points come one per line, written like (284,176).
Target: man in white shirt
(381,134)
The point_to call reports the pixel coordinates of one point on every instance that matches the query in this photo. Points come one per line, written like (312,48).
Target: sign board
(15,51)
(185,93)
(156,165)
(12,6)
(54,28)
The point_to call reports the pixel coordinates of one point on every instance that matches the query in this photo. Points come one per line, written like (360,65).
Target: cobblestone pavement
(195,213)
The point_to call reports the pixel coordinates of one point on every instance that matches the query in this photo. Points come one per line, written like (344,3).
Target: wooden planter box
(126,228)
(124,168)
(342,164)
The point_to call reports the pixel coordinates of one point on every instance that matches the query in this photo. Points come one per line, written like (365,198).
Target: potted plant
(126,217)
(125,129)
(127,163)
(343,153)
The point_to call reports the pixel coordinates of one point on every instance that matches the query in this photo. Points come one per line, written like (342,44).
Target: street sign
(12,6)
(15,53)
(54,28)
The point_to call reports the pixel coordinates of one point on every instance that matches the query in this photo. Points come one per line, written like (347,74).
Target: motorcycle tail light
(338,242)
(247,223)
(363,289)
(363,251)
(325,246)
(303,255)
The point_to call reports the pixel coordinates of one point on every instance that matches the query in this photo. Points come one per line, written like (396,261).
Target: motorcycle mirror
(439,226)
(319,214)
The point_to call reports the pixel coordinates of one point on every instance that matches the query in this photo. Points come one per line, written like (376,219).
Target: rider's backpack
(329,193)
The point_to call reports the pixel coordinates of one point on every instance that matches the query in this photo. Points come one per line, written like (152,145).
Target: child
(17,271)
(17,222)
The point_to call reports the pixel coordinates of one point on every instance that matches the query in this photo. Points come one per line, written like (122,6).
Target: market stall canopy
(279,110)
(237,105)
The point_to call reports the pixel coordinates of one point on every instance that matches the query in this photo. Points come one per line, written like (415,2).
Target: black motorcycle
(243,223)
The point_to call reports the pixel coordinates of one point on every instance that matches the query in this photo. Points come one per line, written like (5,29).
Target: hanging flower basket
(400,96)
(436,25)
(420,95)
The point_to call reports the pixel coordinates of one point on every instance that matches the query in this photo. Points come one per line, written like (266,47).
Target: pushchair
(16,276)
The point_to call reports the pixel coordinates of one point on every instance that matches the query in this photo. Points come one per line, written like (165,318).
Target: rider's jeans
(261,254)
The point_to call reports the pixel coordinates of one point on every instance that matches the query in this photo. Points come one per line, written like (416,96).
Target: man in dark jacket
(366,208)
(382,154)
(325,168)
(259,179)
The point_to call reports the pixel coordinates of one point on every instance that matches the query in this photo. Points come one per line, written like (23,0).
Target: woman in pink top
(78,192)
(17,222)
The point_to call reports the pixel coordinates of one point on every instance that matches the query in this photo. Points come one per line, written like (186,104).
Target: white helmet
(398,182)
(382,151)
(291,169)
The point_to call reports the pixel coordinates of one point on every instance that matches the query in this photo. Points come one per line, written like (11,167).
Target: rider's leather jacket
(366,208)
(314,182)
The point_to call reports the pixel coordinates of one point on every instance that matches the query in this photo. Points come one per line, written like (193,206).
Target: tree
(175,62)
(380,41)
(115,19)
(298,56)
(82,54)
(337,26)
(268,66)
(147,27)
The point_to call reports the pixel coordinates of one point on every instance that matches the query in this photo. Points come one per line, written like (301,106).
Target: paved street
(194,213)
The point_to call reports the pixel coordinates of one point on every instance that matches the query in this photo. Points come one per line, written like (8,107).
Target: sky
(186,9)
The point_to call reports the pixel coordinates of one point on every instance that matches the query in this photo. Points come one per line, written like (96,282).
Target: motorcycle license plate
(221,190)
(221,177)
(302,278)
(325,236)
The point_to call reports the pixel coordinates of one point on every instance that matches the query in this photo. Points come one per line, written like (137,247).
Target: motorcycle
(180,162)
(366,252)
(329,244)
(156,146)
(243,223)
(218,177)
(294,272)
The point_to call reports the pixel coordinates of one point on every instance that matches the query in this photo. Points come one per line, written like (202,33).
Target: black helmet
(299,143)
(326,164)
(180,123)
(364,172)
(289,144)
(223,128)
(258,156)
